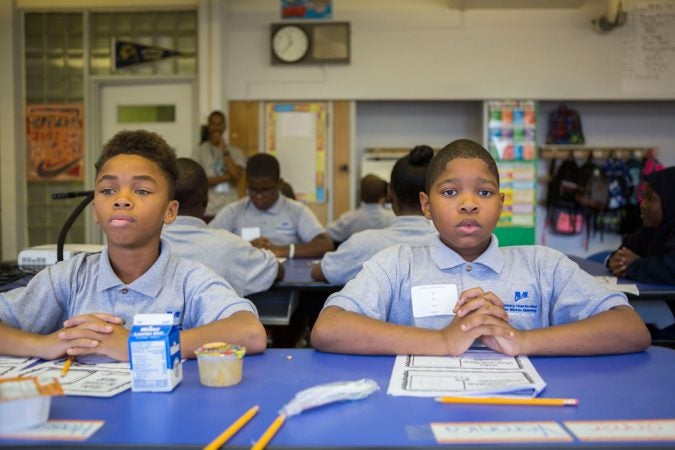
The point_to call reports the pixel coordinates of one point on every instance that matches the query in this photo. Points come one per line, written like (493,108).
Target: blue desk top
(647,291)
(634,386)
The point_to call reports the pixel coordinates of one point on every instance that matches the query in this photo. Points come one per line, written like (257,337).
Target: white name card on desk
(499,432)
(58,430)
(623,430)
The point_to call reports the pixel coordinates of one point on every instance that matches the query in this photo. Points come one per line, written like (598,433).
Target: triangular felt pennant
(129,53)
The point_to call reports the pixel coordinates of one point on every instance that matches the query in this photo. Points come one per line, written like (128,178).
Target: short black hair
(146,144)
(192,186)
(459,149)
(373,188)
(408,175)
(218,113)
(263,165)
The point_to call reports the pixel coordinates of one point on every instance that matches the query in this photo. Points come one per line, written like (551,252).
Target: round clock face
(290,43)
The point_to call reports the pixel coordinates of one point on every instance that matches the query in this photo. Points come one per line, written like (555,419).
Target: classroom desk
(633,386)
(276,306)
(648,291)
(298,277)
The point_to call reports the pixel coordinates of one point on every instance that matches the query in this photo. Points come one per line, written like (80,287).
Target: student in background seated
(409,225)
(286,227)
(524,300)
(648,254)
(371,214)
(246,268)
(84,306)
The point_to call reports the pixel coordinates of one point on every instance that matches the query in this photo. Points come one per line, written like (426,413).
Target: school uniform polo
(539,286)
(211,159)
(87,284)
(368,216)
(286,222)
(343,264)
(246,268)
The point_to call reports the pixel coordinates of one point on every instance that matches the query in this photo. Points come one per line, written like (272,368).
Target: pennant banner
(129,53)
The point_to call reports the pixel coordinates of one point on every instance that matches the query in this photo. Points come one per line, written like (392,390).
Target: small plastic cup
(220,364)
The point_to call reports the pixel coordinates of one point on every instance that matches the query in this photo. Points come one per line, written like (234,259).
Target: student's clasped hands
(480,314)
(620,261)
(90,334)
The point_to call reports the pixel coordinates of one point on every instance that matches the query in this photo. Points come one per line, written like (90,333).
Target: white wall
(425,50)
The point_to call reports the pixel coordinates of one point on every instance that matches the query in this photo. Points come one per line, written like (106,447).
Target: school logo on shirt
(519,295)
(523,303)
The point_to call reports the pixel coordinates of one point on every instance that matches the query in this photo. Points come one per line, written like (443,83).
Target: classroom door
(165,108)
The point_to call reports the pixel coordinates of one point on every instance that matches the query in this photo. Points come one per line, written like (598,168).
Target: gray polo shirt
(344,263)
(539,286)
(368,216)
(210,158)
(286,222)
(246,268)
(88,284)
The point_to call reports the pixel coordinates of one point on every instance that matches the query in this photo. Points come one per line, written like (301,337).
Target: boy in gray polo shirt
(285,226)
(246,268)
(370,215)
(83,306)
(436,299)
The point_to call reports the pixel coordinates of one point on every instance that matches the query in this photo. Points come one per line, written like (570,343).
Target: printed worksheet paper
(475,373)
(91,380)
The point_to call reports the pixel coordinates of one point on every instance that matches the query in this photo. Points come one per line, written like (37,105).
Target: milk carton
(154,353)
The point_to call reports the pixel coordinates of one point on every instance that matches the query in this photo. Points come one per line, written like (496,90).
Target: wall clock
(310,43)
(290,43)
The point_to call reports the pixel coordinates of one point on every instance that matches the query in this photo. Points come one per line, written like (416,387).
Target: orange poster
(55,142)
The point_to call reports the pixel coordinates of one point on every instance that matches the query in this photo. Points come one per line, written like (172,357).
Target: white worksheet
(92,380)
(10,366)
(475,373)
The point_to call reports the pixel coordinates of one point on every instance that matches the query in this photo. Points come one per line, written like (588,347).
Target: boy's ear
(171,211)
(424,203)
(501,203)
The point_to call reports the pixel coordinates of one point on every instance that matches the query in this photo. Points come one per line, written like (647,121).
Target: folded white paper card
(433,299)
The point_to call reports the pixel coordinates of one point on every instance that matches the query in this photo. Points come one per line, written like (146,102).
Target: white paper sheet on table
(10,366)
(475,373)
(612,284)
(92,380)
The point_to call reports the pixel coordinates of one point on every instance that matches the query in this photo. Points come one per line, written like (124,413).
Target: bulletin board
(511,139)
(296,133)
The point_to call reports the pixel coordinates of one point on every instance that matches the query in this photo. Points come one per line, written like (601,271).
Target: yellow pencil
(510,401)
(66,366)
(232,429)
(269,433)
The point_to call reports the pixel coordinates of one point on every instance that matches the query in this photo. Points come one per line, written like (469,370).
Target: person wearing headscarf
(648,254)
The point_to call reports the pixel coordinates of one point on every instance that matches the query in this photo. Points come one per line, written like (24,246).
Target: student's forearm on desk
(340,331)
(317,273)
(242,328)
(619,330)
(15,342)
(314,248)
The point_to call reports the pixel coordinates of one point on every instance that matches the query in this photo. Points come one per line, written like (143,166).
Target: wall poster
(54,138)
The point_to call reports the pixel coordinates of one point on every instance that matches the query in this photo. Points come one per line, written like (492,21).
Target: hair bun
(420,155)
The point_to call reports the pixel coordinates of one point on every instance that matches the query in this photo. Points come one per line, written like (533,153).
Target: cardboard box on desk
(154,353)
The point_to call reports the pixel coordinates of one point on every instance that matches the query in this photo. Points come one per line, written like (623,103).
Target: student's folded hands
(478,315)
(95,334)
